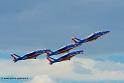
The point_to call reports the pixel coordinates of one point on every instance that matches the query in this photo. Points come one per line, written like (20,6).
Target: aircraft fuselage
(31,55)
(68,56)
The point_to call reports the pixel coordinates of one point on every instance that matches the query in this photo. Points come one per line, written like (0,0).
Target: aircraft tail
(50,59)
(49,52)
(76,40)
(15,57)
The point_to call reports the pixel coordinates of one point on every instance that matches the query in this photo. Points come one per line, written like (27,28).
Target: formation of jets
(77,42)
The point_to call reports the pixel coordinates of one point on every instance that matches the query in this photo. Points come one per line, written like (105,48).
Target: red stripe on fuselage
(91,39)
(32,56)
(67,58)
(63,51)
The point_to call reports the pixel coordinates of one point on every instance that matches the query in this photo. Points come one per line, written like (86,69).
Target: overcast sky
(51,24)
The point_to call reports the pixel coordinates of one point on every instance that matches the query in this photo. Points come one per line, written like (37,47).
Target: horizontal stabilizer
(49,52)
(14,56)
(50,59)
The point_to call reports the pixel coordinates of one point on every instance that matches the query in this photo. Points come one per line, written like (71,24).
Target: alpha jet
(64,49)
(91,37)
(31,55)
(64,58)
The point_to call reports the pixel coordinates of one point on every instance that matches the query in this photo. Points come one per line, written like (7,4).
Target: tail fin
(14,56)
(76,40)
(50,59)
(49,52)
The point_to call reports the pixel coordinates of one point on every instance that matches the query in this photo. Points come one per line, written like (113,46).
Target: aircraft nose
(105,32)
(81,52)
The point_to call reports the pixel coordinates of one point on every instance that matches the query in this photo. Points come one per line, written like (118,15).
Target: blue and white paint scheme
(91,37)
(64,58)
(64,49)
(31,55)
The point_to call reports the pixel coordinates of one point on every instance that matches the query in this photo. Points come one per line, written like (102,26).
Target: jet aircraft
(64,58)
(91,37)
(63,49)
(31,55)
